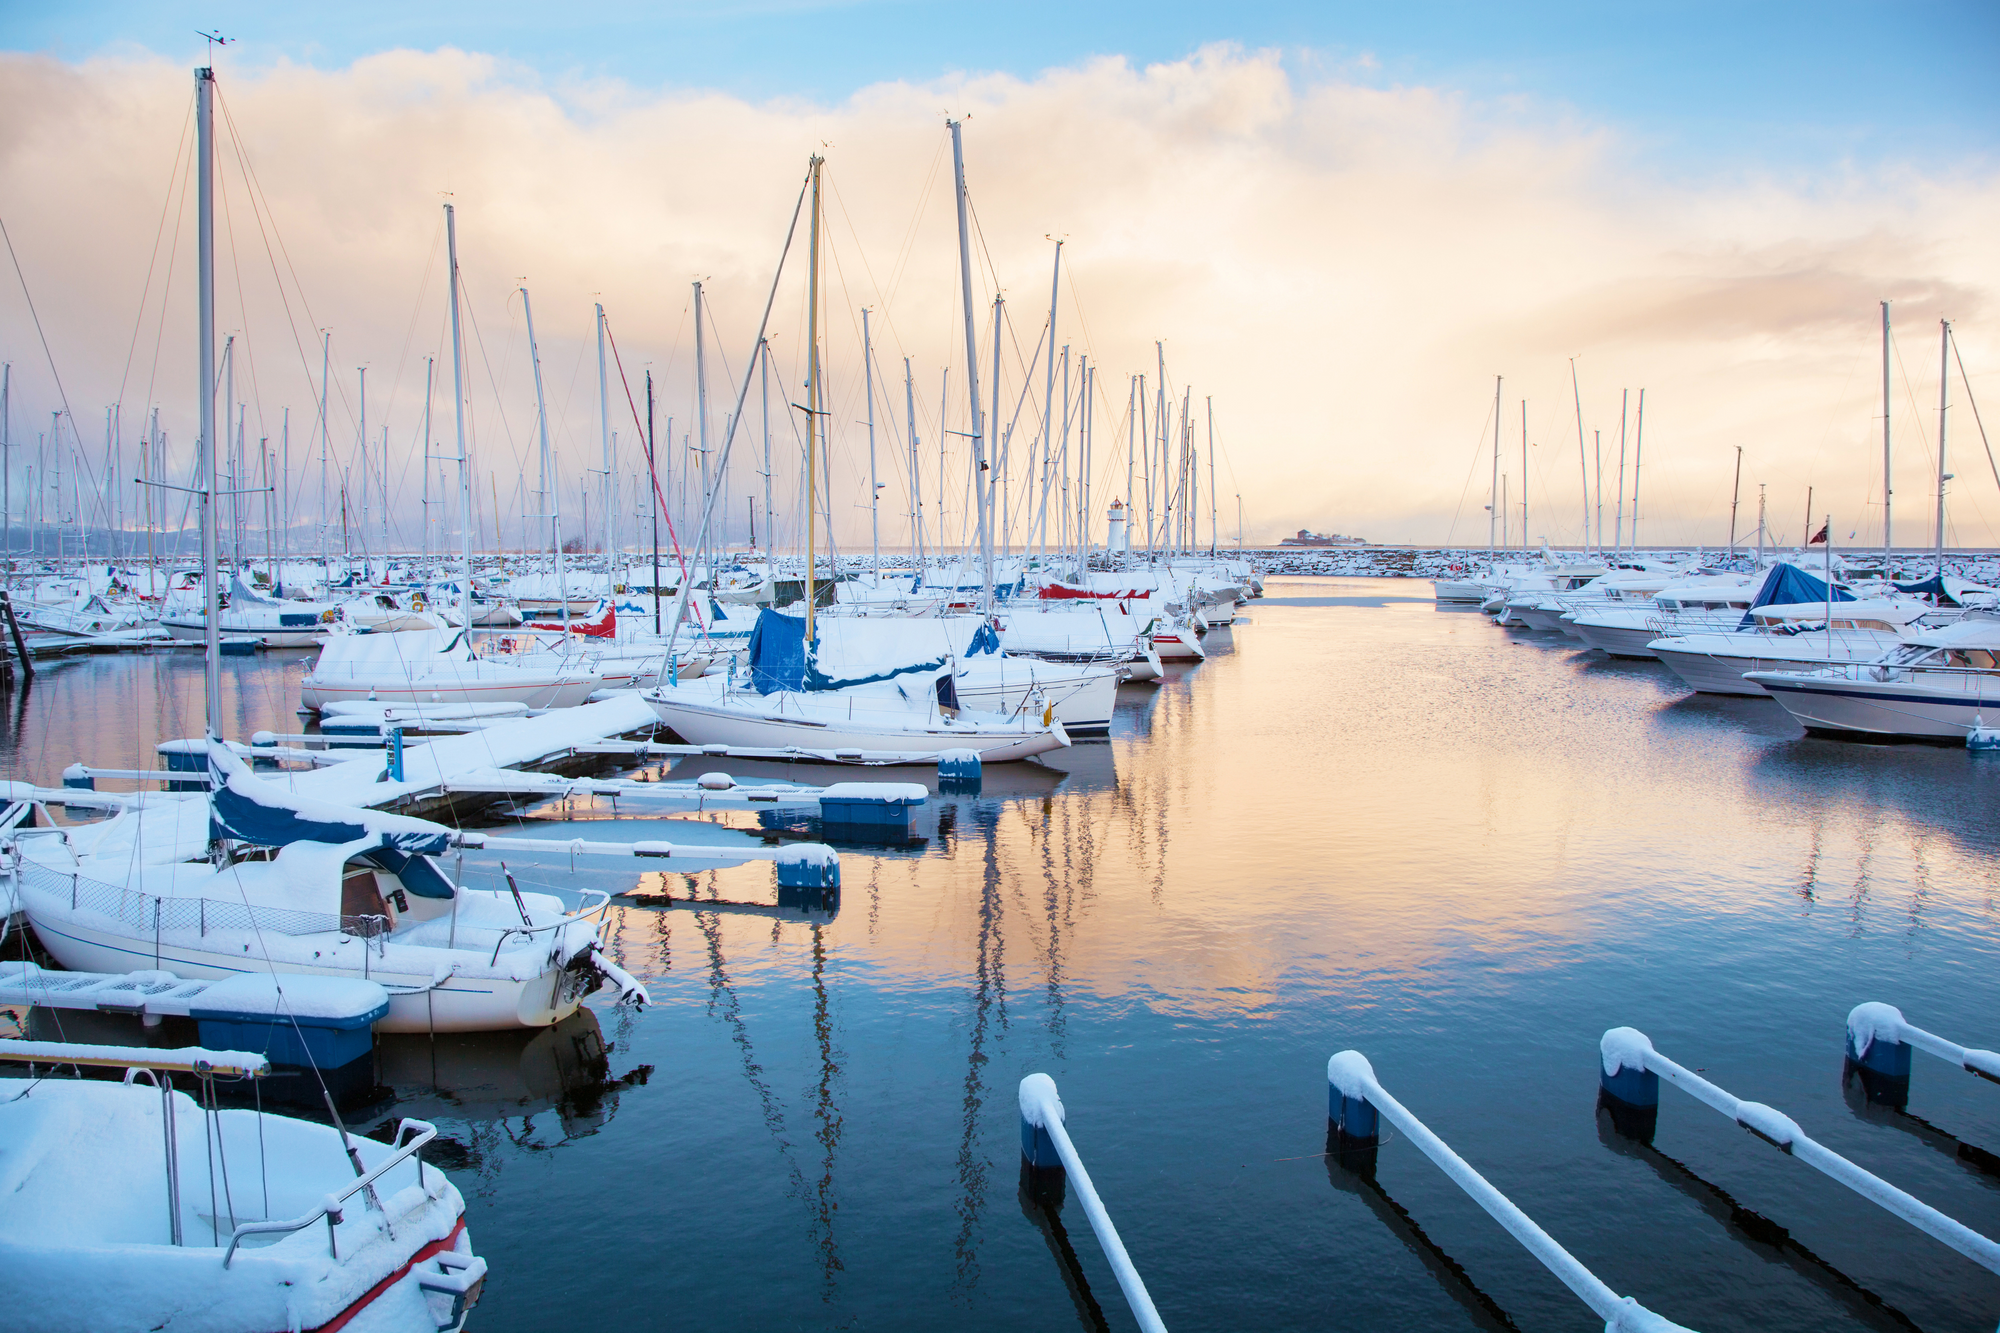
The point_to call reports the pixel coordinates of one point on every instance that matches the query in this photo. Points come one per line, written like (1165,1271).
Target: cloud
(1343,268)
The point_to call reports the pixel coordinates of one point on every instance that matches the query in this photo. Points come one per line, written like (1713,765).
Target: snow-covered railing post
(1627,1049)
(1878,1050)
(1045,1145)
(1357,1102)
(959,772)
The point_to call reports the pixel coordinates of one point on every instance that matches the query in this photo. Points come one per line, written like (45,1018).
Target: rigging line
(1973,403)
(167,287)
(174,177)
(256,189)
(250,189)
(83,454)
(242,309)
(652,470)
(908,247)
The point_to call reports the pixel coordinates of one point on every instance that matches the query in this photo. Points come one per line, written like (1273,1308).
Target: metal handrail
(1629,1049)
(329,1207)
(1351,1079)
(1042,1110)
(1873,1022)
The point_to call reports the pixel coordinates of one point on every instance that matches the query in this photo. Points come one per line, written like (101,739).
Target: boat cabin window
(1970,657)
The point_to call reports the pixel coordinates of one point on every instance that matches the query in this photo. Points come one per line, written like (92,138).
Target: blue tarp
(987,640)
(1930,587)
(1788,585)
(248,809)
(781,659)
(777,653)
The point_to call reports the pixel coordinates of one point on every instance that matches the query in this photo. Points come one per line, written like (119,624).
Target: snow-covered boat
(1937,686)
(814,698)
(1789,638)
(131,1205)
(299,885)
(435,666)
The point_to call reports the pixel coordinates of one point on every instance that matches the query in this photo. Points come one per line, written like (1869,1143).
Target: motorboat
(129,1204)
(1699,603)
(253,877)
(1935,686)
(1798,637)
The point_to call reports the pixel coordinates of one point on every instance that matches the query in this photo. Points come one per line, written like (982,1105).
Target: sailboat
(249,877)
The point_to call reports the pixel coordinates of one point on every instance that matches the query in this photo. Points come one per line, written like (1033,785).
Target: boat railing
(581,914)
(161,915)
(1046,1146)
(1631,1071)
(1357,1103)
(330,1207)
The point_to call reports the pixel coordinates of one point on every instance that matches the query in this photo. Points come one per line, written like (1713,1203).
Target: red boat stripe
(339,1321)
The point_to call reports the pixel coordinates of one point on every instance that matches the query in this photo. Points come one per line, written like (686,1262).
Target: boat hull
(416,1003)
(557,691)
(1891,709)
(712,723)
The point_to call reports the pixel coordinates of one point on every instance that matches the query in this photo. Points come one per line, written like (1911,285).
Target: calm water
(1362,823)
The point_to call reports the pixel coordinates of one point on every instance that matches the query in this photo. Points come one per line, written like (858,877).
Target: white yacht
(1694,604)
(131,1205)
(1935,686)
(1798,637)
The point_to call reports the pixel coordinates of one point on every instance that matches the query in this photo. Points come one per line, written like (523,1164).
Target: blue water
(1362,823)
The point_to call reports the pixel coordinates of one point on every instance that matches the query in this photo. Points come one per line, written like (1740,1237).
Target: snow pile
(1040,1106)
(1624,1048)
(299,996)
(1872,1022)
(1352,1075)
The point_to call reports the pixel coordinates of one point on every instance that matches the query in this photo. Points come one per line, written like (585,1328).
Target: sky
(1342,221)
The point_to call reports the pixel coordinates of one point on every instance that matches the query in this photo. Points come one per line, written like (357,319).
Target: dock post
(1353,1120)
(1877,1054)
(263,751)
(1626,1089)
(395,754)
(78,778)
(1038,1102)
(190,757)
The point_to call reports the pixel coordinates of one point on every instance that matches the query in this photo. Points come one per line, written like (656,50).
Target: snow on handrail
(1042,1116)
(1879,1038)
(179,1060)
(329,1207)
(1351,1082)
(1626,1051)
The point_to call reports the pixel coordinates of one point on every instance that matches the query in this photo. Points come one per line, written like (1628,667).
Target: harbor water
(1363,823)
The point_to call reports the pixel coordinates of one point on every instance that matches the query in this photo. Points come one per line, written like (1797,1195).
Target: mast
(654,504)
(6,461)
(1944,401)
(363,372)
(424,463)
(285,493)
(547,464)
(458,410)
(325,369)
(1735,493)
(1888,479)
(604,439)
(1493,491)
(1638,453)
(972,372)
(764,372)
(701,416)
(204,82)
(916,473)
(874,486)
(999,489)
(1618,522)
(1212,533)
(1524,480)
(1582,453)
(812,400)
(1048,391)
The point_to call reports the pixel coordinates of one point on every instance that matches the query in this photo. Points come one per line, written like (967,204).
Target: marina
(624,727)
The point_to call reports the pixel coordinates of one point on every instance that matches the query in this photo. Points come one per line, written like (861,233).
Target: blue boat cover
(987,640)
(1930,587)
(245,807)
(780,658)
(1788,585)
(777,653)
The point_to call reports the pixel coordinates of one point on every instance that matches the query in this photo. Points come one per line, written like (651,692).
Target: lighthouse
(1114,537)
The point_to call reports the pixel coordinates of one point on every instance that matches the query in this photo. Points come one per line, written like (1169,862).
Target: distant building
(1307,538)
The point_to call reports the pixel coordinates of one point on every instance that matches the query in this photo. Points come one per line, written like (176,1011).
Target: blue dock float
(322,1022)
(960,772)
(873,809)
(1879,1044)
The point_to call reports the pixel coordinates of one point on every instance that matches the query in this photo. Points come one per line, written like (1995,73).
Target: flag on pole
(1819,538)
